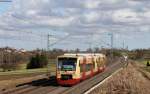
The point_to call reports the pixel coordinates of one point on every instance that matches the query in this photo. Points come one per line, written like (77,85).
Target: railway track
(42,86)
(49,86)
(81,88)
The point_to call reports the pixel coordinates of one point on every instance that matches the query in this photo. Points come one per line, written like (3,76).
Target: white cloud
(91,17)
(126,15)
(147,14)
(77,17)
(54,21)
(112,1)
(92,3)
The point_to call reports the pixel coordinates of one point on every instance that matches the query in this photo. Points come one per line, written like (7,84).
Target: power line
(42,37)
(112,40)
(59,40)
(5,0)
(48,42)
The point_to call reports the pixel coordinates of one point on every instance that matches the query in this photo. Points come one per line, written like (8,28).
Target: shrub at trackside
(147,64)
(38,61)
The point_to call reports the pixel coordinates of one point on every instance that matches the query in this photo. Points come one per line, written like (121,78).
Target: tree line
(10,59)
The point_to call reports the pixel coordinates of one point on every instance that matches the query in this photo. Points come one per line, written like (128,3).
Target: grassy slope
(143,65)
(127,81)
(23,71)
(13,78)
(27,73)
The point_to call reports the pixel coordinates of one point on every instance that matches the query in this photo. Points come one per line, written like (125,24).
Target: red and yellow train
(73,68)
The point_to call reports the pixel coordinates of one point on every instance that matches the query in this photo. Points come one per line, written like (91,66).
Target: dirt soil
(130,80)
(5,84)
(18,76)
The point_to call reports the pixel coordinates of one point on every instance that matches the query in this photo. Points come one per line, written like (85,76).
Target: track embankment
(130,80)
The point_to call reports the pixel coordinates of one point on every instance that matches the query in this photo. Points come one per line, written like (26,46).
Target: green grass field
(27,73)
(51,67)
(23,72)
(144,62)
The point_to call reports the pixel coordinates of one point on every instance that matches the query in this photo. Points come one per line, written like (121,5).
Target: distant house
(22,51)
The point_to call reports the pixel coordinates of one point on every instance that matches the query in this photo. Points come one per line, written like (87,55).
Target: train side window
(81,67)
(88,67)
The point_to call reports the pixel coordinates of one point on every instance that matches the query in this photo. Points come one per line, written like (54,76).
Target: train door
(92,66)
(82,69)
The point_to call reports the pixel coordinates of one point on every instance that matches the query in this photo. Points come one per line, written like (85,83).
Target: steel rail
(89,83)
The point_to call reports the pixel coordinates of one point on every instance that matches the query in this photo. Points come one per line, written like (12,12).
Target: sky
(75,23)
(4,7)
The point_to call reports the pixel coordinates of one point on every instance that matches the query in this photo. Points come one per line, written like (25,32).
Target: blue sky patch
(4,6)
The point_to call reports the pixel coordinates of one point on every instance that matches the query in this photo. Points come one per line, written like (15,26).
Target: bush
(38,61)
(117,53)
(148,64)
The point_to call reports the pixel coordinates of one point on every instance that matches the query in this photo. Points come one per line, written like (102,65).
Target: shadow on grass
(42,82)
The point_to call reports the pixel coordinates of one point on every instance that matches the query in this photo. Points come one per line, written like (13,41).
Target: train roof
(75,55)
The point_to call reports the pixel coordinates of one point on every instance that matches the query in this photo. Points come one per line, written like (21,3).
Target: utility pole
(48,42)
(123,45)
(48,50)
(112,43)
(91,43)
(112,39)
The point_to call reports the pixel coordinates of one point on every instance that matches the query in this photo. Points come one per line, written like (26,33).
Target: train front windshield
(67,64)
